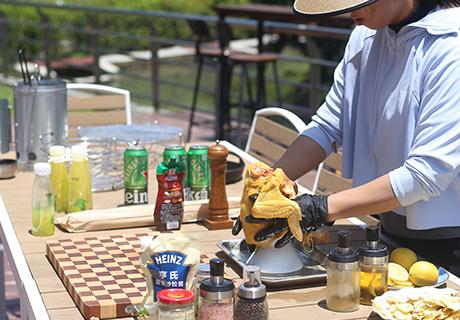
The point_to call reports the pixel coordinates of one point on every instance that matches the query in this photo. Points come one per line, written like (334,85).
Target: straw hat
(328,7)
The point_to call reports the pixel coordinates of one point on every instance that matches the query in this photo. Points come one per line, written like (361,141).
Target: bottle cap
(42,168)
(78,152)
(217,267)
(372,233)
(343,256)
(252,287)
(373,249)
(344,238)
(57,151)
(176,296)
(145,242)
(217,287)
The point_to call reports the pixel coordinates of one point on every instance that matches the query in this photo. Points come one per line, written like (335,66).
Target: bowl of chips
(424,303)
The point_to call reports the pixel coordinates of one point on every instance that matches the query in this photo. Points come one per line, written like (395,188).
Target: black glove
(314,212)
(238,226)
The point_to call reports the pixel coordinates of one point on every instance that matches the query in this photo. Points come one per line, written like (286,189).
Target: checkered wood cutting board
(101,274)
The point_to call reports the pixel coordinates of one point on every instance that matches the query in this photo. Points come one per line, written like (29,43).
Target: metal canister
(199,173)
(136,159)
(181,156)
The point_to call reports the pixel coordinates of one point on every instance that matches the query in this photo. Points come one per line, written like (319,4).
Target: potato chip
(405,307)
(415,304)
(402,316)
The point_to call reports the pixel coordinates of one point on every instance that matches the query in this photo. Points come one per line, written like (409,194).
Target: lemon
(404,257)
(397,273)
(423,273)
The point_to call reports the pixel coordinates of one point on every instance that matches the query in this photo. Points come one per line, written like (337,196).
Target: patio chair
(206,48)
(272,131)
(329,176)
(94,104)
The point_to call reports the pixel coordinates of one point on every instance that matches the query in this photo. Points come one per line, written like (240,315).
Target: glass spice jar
(202,274)
(374,266)
(176,304)
(252,297)
(343,276)
(216,294)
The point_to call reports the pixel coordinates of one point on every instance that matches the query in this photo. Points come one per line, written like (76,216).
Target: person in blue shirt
(394,109)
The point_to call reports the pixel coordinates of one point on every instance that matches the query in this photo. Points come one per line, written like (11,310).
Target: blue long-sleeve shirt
(394,107)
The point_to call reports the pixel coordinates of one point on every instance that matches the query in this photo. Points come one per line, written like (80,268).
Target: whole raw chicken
(274,191)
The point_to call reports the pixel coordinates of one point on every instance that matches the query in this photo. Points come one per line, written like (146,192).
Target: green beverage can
(199,173)
(181,156)
(136,161)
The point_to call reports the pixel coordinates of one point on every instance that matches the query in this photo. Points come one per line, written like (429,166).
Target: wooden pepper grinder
(218,204)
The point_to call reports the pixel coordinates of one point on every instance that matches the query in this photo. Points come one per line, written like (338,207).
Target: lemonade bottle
(59,177)
(42,201)
(80,196)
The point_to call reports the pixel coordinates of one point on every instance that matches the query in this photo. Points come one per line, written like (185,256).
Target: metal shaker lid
(217,283)
(373,248)
(343,253)
(253,288)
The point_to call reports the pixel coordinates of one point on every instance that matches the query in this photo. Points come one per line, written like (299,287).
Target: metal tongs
(26,77)
(23,63)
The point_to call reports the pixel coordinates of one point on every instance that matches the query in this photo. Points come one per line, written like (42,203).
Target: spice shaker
(252,297)
(343,276)
(216,294)
(176,304)
(202,274)
(374,267)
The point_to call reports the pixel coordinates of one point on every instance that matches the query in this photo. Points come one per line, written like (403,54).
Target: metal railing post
(314,98)
(95,45)
(5,42)
(45,30)
(155,67)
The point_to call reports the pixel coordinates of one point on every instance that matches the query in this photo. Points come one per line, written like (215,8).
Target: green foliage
(24,32)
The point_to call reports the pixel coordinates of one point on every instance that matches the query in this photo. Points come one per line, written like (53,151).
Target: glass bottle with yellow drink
(59,177)
(42,201)
(374,267)
(80,195)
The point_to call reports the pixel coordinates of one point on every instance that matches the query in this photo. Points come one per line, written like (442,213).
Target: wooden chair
(329,176)
(272,131)
(268,139)
(93,104)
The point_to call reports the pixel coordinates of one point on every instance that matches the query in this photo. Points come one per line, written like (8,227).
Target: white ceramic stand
(273,260)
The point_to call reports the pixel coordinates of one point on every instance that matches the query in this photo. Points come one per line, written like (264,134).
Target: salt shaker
(202,274)
(374,267)
(252,297)
(343,276)
(217,294)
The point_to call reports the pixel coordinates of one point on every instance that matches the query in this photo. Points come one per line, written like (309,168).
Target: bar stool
(205,48)
(236,58)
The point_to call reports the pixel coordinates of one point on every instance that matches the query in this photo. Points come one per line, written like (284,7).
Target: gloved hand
(238,226)
(314,211)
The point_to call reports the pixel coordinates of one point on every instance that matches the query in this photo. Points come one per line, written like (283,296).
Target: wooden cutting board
(102,274)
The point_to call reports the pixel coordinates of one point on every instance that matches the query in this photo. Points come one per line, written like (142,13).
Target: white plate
(442,279)
(384,311)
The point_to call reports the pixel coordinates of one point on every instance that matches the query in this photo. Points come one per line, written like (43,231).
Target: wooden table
(263,13)
(43,295)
